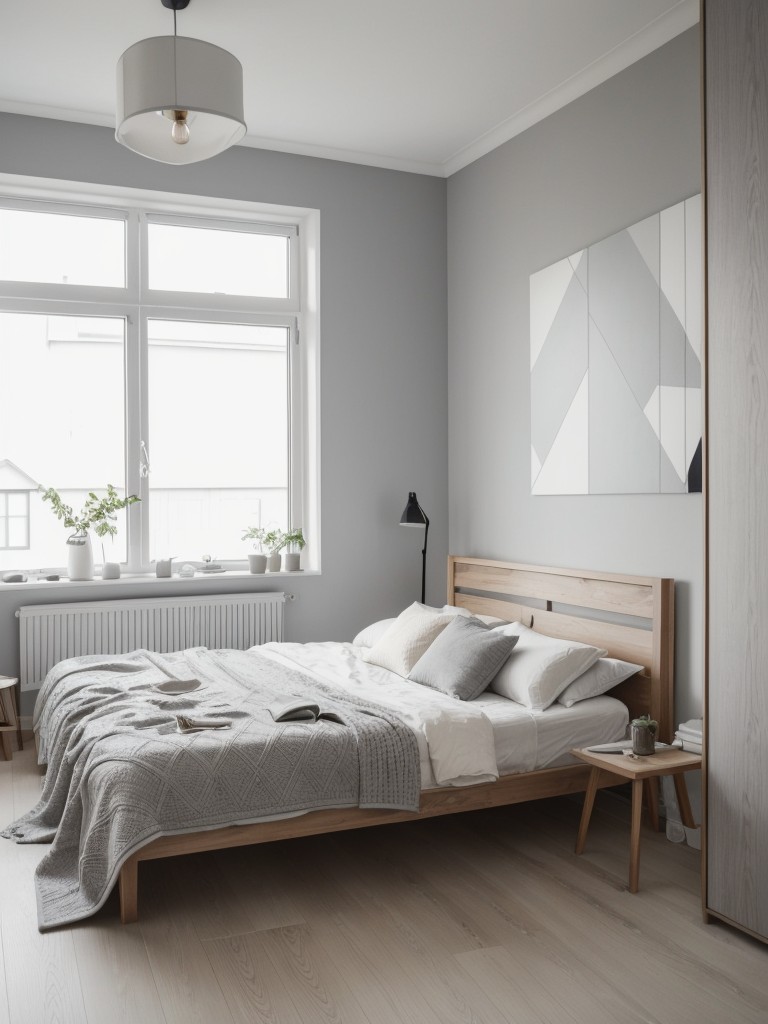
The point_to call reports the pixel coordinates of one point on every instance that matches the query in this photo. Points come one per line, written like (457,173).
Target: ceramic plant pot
(643,741)
(257,564)
(273,563)
(80,557)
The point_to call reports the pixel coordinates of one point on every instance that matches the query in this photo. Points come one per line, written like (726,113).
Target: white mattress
(522,740)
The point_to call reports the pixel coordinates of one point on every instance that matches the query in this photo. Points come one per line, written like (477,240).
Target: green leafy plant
(273,541)
(294,539)
(646,722)
(97,513)
(258,534)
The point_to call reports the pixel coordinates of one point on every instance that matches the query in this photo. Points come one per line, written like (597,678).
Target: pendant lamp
(179,100)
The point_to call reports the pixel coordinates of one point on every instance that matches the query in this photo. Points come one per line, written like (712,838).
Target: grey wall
(383,363)
(616,155)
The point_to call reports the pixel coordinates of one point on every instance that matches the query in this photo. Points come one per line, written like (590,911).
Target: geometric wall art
(616,376)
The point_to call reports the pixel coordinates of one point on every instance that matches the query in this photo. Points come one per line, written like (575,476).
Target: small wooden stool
(9,716)
(642,772)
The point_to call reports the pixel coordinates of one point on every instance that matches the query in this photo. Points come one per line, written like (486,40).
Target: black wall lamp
(414,515)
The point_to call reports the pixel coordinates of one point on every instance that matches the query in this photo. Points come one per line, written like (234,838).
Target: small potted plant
(294,543)
(99,513)
(257,562)
(273,542)
(644,731)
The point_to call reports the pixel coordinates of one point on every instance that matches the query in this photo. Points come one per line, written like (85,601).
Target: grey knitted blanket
(120,774)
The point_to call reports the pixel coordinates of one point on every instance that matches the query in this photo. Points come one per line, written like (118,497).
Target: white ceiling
(418,85)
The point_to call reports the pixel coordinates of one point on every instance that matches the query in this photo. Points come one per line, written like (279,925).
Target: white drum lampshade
(179,100)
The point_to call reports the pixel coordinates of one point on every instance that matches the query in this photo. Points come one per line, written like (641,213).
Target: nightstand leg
(681,791)
(652,800)
(634,846)
(586,814)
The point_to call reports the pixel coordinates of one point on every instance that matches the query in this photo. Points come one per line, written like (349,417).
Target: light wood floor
(486,918)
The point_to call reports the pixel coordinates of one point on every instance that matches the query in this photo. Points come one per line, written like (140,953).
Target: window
(14,520)
(165,347)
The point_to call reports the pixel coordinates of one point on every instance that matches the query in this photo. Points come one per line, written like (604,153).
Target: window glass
(61,426)
(192,259)
(18,532)
(55,248)
(218,423)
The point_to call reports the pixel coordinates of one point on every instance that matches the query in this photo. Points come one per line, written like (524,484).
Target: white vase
(110,571)
(80,557)
(273,563)
(257,563)
(292,561)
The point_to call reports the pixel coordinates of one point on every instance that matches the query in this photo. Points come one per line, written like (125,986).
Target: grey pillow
(463,659)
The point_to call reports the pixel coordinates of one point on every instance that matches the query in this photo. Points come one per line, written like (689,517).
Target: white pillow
(603,676)
(367,637)
(406,639)
(540,667)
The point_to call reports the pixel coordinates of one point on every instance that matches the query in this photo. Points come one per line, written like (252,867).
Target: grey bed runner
(120,774)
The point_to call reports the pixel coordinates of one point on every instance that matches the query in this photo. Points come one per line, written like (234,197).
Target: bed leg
(129,891)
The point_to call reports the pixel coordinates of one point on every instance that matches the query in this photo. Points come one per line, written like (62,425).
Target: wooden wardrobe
(736,155)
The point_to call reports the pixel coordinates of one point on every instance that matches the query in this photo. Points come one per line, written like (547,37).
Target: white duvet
(463,742)
(455,738)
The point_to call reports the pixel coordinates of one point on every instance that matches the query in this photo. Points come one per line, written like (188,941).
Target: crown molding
(681,17)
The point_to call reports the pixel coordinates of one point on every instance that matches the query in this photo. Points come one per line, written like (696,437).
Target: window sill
(149,579)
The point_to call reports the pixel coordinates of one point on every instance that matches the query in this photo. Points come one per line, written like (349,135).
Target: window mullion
(136,514)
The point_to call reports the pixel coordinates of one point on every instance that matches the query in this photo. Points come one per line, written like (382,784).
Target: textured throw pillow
(541,666)
(403,643)
(463,659)
(367,637)
(603,676)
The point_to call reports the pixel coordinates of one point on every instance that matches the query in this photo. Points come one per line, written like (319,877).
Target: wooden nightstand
(641,771)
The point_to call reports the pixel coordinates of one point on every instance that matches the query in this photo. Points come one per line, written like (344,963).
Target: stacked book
(689,734)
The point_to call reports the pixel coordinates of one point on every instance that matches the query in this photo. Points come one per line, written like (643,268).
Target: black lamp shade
(413,513)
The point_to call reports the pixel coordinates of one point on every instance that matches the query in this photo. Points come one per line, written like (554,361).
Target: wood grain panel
(627,642)
(736,104)
(580,591)
(508,610)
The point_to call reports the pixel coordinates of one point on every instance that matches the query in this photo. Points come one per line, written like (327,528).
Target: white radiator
(49,633)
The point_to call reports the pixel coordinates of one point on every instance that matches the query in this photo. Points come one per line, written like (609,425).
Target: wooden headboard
(632,617)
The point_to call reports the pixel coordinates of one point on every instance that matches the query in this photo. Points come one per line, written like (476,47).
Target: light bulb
(180,128)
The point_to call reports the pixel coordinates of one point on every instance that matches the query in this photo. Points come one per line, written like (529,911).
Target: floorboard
(485,918)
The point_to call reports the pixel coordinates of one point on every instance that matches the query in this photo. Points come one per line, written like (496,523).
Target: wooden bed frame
(631,616)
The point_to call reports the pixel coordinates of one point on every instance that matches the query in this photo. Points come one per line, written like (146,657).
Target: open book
(300,710)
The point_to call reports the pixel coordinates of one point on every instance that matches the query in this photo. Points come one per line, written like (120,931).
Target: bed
(629,617)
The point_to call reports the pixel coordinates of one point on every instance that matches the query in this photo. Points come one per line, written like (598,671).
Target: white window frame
(136,304)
